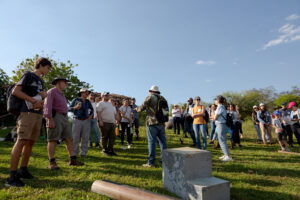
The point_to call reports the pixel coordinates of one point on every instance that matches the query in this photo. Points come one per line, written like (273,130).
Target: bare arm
(21,95)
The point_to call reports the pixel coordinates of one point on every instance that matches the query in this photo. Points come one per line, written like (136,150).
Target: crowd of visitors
(102,115)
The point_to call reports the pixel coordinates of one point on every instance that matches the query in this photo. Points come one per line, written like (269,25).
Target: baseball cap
(277,112)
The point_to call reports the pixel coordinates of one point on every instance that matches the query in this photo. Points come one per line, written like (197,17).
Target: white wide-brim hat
(154,88)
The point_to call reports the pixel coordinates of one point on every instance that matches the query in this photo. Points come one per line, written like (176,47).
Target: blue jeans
(213,129)
(221,129)
(197,128)
(258,132)
(155,132)
(96,130)
(189,128)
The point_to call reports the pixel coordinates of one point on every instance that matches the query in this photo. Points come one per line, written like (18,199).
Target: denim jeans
(221,129)
(189,128)
(96,130)
(213,129)
(256,126)
(154,133)
(202,128)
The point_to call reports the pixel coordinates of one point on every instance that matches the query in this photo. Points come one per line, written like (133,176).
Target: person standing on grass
(256,122)
(239,122)
(281,133)
(287,123)
(126,123)
(83,113)
(189,120)
(265,121)
(236,127)
(221,127)
(136,121)
(58,125)
(176,115)
(30,90)
(295,118)
(155,129)
(94,123)
(199,124)
(107,117)
(212,109)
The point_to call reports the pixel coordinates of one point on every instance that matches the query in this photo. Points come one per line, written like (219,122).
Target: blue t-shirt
(222,113)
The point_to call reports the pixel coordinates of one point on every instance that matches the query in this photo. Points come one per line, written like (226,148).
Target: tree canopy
(4,81)
(58,69)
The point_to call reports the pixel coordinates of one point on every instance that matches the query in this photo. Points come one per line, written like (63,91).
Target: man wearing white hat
(155,128)
(83,113)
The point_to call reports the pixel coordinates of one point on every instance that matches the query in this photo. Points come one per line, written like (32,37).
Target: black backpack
(14,104)
(162,114)
(206,116)
(229,120)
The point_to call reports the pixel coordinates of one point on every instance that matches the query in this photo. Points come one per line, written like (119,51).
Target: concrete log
(124,192)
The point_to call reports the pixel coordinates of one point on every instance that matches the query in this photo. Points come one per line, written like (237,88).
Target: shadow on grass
(252,194)
(237,168)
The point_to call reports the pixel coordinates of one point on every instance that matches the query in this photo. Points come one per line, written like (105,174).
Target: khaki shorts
(29,126)
(62,128)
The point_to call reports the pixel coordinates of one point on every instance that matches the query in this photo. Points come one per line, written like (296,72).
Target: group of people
(285,120)
(194,120)
(91,112)
(88,111)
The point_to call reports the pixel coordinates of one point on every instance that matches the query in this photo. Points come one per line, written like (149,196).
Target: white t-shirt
(95,107)
(108,112)
(176,112)
(277,123)
(127,111)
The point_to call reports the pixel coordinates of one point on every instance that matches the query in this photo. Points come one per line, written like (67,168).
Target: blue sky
(187,48)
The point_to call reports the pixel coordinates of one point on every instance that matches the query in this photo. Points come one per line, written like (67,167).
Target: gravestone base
(187,172)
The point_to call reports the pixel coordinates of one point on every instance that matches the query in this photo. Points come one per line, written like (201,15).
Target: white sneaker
(129,146)
(227,159)
(222,157)
(123,147)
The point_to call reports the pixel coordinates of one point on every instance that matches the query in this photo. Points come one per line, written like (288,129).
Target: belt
(80,118)
(64,114)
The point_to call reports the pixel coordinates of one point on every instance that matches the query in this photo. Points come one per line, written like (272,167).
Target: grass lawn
(257,172)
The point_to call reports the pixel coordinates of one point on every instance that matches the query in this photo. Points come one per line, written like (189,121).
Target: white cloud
(287,33)
(208,62)
(208,81)
(292,17)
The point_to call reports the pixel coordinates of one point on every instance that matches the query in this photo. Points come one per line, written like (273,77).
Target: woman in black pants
(295,115)
(126,123)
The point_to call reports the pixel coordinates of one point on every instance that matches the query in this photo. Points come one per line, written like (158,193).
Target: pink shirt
(55,100)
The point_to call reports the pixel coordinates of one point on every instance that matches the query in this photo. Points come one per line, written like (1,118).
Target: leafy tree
(4,81)
(58,69)
(287,98)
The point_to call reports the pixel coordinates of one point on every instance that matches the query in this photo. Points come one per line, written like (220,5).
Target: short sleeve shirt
(222,113)
(32,85)
(277,123)
(127,111)
(108,112)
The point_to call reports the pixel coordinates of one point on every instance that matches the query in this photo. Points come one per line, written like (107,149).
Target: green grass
(257,172)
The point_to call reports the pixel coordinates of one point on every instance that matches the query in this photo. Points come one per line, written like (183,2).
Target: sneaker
(282,149)
(123,147)
(227,159)
(53,166)
(24,173)
(97,145)
(75,162)
(288,150)
(105,153)
(222,157)
(148,165)
(129,146)
(14,182)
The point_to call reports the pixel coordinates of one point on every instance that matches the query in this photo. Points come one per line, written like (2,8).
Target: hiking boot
(53,166)
(97,145)
(148,165)
(24,173)
(112,153)
(14,182)
(75,162)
